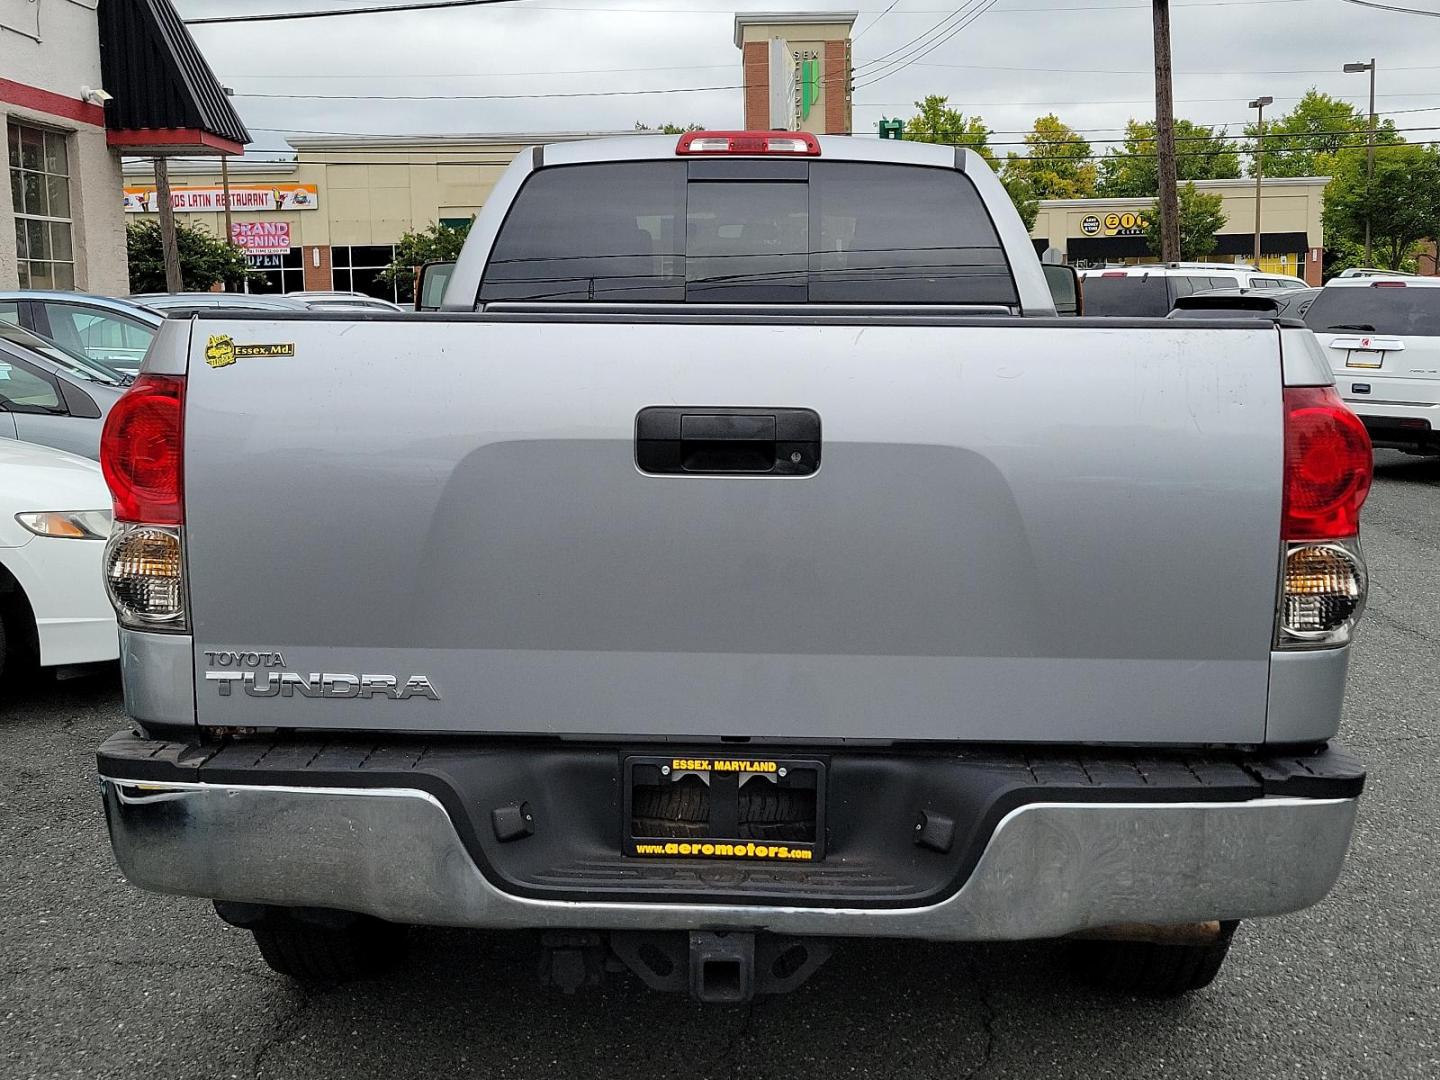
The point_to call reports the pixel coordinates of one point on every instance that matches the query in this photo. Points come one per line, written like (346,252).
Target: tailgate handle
(702,440)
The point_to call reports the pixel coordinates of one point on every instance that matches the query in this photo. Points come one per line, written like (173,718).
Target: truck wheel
(1151,969)
(336,948)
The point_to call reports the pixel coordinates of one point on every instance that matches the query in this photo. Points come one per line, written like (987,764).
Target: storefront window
(276,273)
(357,269)
(40,190)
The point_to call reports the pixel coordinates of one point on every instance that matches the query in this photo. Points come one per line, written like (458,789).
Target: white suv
(1382,335)
(1153,289)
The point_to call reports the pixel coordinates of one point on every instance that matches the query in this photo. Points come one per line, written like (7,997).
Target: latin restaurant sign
(243,197)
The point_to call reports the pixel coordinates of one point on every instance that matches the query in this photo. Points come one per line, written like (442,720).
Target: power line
(871,26)
(531,138)
(924,34)
(494,97)
(512,74)
(1139,71)
(900,63)
(1111,101)
(329,13)
(1393,7)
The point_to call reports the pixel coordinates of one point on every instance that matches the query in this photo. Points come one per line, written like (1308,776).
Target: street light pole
(1259,105)
(1369,147)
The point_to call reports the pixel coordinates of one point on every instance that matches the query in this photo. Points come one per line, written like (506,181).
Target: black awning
(165,97)
(1101,248)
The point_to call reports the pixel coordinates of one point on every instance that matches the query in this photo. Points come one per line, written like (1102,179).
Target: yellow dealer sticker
(723,765)
(724,849)
(221,350)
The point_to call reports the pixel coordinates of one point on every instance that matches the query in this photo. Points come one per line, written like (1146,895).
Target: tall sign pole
(1165,135)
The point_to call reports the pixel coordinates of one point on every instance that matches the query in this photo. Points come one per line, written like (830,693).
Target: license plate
(1365,360)
(721,806)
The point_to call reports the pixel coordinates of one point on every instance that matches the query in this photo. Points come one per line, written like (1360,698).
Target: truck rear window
(1132,296)
(738,232)
(1386,309)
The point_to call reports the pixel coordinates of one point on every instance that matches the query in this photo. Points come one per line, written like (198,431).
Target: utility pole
(1259,105)
(169,245)
(1369,148)
(225,183)
(1165,135)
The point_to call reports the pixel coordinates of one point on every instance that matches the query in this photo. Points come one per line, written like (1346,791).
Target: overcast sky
(1089,61)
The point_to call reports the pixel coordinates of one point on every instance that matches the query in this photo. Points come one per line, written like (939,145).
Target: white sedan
(54,521)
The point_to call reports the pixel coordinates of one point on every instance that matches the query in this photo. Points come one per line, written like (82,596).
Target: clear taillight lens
(1322,594)
(145,577)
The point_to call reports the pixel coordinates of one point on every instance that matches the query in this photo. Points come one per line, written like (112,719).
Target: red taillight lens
(1328,465)
(800,143)
(140,451)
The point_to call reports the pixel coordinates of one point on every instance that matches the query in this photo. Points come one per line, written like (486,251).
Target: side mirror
(1064,282)
(430,284)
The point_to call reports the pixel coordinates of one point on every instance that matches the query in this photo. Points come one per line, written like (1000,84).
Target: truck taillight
(1328,468)
(1328,465)
(142,457)
(798,143)
(141,451)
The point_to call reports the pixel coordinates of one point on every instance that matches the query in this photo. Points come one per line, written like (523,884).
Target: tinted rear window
(1383,309)
(817,232)
(1131,296)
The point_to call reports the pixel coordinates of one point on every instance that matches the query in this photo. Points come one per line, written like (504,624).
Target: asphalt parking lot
(103,980)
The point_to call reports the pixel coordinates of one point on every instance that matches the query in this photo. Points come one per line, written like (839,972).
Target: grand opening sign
(243,197)
(261,237)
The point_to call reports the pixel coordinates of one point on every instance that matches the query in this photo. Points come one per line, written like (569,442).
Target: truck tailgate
(1019,530)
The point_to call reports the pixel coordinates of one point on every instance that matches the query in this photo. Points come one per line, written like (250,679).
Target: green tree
(935,122)
(1057,162)
(1303,141)
(1131,171)
(665,129)
(1201,217)
(433,243)
(1402,203)
(205,260)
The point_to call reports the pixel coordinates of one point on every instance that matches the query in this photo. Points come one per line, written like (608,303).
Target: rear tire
(329,947)
(1150,969)
(682,809)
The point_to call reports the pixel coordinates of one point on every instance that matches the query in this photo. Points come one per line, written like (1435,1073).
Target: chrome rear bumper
(1049,869)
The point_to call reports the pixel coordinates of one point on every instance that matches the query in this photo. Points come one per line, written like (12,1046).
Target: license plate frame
(722,836)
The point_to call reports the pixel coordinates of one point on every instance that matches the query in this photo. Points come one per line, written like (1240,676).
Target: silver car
(114,333)
(342,301)
(51,396)
(190,303)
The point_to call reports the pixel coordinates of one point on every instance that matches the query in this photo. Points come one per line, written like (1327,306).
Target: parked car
(111,332)
(1211,303)
(1372,272)
(51,396)
(342,301)
(1382,336)
(54,521)
(1152,290)
(191,303)
(783,570)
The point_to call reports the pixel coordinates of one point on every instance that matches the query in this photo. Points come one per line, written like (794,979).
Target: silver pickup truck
(746,557)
